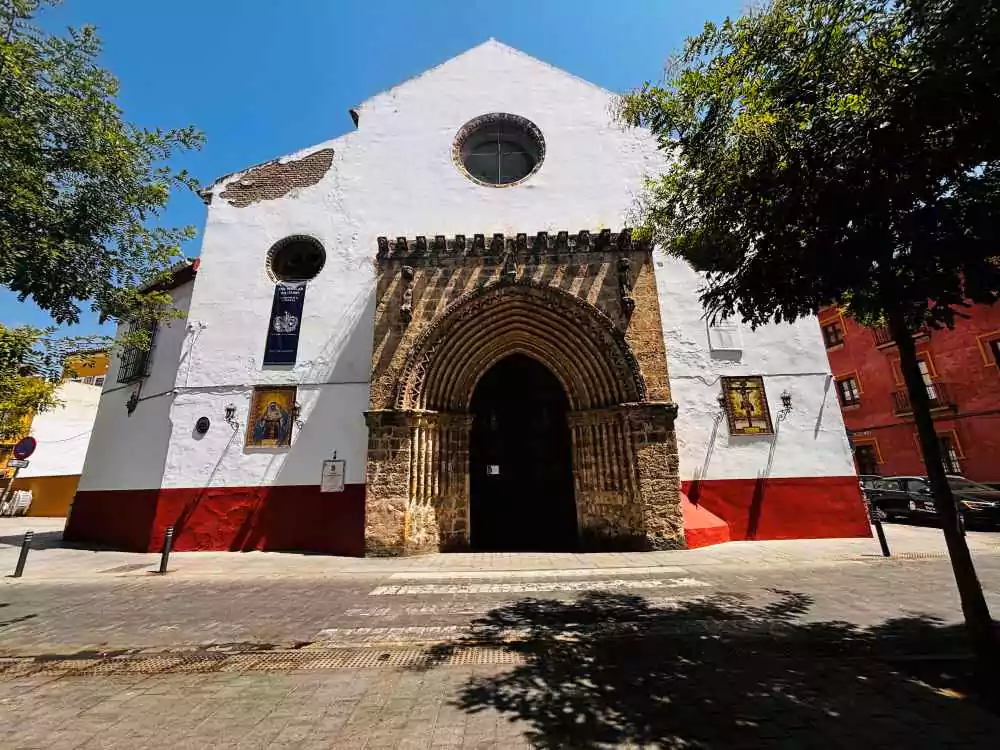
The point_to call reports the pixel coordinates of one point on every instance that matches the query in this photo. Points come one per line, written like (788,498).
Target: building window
(134,361)
(746,407)
(833,334)
(499,149)
(99,380)
(297,258)
(925,374)
(849,391)
(866,457)
(949,454)
(725,335)
(995,351)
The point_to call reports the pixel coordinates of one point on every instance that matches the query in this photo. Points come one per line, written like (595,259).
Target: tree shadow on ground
(613,670)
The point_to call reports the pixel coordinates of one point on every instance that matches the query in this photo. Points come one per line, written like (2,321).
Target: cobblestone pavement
(756,650)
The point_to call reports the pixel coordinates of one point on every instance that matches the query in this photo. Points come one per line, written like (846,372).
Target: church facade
(437,332)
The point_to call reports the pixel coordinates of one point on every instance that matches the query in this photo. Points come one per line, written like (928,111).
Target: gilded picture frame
(746,405)
(271,417)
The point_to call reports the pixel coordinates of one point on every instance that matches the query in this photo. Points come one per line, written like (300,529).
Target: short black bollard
(168,542)
(23,557)
(880,533)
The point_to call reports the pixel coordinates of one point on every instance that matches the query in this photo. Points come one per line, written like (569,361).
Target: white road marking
(526,588)
(481,608)
(542,573)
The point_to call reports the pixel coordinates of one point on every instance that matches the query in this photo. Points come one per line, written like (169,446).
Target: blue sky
(264,78)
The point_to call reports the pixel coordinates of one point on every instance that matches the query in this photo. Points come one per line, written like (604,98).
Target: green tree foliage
(79,186)
(840,152)
(31,366)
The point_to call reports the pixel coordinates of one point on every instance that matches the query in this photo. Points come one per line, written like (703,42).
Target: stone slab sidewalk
(49,560)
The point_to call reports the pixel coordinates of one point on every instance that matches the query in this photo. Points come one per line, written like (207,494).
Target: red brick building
(962,372)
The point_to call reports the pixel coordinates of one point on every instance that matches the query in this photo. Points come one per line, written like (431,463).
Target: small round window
(296,259)
(499,149)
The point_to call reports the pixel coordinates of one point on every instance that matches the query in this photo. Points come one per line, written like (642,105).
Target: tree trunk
(978,622)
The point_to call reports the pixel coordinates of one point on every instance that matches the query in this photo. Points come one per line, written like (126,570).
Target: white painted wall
(395,176)
(63,432)
(129,452)
(811,440)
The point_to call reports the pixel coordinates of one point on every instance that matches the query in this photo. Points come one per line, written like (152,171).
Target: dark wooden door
(521,474)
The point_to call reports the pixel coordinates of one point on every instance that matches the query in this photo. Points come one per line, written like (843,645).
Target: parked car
(910,498)
(867,482)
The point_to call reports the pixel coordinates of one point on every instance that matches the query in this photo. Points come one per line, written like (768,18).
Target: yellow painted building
(63,434)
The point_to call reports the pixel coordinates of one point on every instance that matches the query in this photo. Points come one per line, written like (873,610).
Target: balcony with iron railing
(884,339)
(937,393)
(882,336)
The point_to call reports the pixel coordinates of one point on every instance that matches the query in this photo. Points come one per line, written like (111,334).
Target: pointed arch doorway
(511,347)
(520,461)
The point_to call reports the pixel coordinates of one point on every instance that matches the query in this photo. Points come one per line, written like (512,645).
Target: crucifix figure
(746,403)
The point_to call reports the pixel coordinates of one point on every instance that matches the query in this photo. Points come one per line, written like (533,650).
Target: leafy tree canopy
(32,362)
(79,186)
(842,151)
(833,151)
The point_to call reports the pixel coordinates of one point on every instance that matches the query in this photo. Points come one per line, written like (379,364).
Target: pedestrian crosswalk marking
(532,587)
(455,575)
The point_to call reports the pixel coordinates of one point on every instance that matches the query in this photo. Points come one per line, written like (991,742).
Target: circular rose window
(297,258)
(499,149)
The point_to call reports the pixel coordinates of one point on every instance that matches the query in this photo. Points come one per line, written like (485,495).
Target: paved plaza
(778,644)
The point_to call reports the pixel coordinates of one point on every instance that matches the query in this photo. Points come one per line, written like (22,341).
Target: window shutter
(726,335)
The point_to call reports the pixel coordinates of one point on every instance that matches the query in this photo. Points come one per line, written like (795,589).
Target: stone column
(607,499)
(417,488)
(387,481)
(654,445)
(452,499)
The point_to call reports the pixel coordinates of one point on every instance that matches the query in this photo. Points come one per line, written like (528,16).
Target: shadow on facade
(609,670)
(282,508)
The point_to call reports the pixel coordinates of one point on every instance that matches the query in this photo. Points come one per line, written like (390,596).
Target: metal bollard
(23,557)
(168,542)
(880,533)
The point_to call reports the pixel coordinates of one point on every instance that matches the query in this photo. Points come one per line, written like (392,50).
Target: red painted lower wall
(784,508)
(299,518)
(701,527)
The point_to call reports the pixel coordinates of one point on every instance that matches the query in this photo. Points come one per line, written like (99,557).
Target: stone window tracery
(499,149)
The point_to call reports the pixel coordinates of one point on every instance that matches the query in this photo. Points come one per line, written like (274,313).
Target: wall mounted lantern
(786,402)
(231,415)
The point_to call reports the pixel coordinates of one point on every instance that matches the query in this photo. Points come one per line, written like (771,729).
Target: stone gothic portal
(520,461)
(519,397)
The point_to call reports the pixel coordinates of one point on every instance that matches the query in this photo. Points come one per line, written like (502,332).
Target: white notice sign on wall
(333,476)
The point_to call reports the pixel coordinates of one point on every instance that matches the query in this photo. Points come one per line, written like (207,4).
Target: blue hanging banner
(283,328)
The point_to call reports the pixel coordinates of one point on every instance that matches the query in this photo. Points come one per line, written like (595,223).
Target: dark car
(910,498)
(868,484)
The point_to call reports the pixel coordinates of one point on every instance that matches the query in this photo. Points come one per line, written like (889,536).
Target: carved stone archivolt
(558,298)
(576,341)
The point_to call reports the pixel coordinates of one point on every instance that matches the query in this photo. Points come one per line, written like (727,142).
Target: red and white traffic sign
(25,447)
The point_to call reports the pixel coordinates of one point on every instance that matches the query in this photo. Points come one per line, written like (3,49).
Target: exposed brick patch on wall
(276,179)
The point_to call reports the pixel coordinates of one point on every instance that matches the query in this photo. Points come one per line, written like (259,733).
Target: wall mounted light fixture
(786,402)
(231,416)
